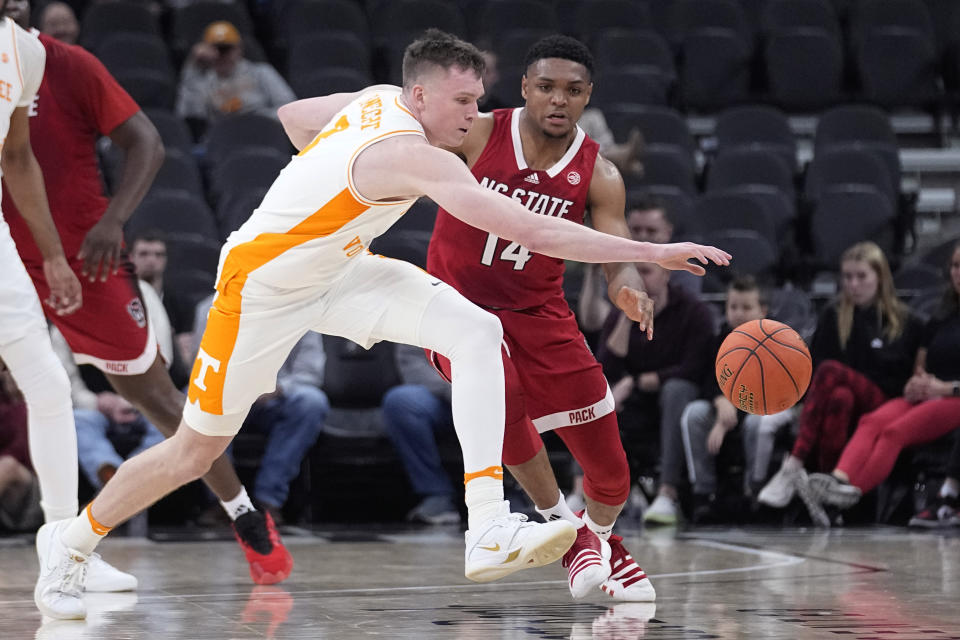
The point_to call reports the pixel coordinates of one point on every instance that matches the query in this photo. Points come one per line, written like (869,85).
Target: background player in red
(79,101)
(539,156)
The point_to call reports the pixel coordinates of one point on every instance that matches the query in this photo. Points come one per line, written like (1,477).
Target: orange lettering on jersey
(340,125)
(5,91)
(353,247)
(370,113)
(5,58)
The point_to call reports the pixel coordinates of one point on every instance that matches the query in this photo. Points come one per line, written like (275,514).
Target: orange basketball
(763,367)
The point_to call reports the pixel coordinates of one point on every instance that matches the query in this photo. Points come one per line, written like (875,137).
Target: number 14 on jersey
(514,252)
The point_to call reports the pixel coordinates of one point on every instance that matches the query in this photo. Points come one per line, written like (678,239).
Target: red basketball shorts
(110,330)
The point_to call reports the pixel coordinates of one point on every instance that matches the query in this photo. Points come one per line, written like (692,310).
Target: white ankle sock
(484,498)
(603,531)
(239,505)
(83,533)
(948,489)
(561,511)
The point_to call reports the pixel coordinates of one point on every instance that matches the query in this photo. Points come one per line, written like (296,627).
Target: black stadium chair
(148,88)
(172,129)
(102,20)
(326,81)
(595,17)
(122,51)
(327,50)
(193,284)
(172,211)
(722,211)
(846,215)
(898,67)
(864,126)
(635,49)
(661,127)
(192,252)
(716,69)
(679,206)
(415,16)
(246,169)
(496,16)
(667,167)
(234,209)
(789,14)
(841,165)
(752,254)
(804,67)
(234,132)
(631,85)
(305,18)
(178,171)
(756,127)
(511,45)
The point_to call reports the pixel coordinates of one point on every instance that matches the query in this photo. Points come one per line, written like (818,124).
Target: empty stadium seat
(236,131)
(102,20)
(848,214)
(124,50)
(898,67)
(756,127)
(495,16)
(326,81)
(172,129)
(327,50)
(716,68)
(804,67)
(172,211)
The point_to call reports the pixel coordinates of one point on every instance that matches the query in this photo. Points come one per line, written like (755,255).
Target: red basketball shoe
(627,580)
(270,562)
(587,563)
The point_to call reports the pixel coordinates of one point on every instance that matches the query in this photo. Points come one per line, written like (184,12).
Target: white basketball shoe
(63,571)
(103,577)
(508,543)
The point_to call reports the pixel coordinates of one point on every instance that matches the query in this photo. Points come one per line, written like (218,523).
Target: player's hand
(715,439)
(65,294)
(637,306)
(726,413)
(101,250)
(676,256)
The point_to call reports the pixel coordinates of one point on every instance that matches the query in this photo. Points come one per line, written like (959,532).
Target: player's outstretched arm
(406,166)
(25,183)
(304,119)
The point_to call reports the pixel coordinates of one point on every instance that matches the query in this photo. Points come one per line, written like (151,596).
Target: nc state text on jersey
(535,202)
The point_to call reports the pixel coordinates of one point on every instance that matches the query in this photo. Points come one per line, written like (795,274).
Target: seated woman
(863,353)
(928,409)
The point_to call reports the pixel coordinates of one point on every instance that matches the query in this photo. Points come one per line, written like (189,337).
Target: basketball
(763,367)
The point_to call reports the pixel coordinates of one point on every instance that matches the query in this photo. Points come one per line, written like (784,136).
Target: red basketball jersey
(498,273)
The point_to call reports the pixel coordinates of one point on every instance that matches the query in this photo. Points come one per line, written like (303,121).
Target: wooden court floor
(857,584)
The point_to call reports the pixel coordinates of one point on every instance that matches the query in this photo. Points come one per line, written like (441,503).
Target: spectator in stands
(863,353)
(291,416)
(928,409)
(148,253)
(945,510)
(19,489)
(58,20)
(649,220)
(626,155)
(706,422)
(217,80)
(656,378)
(490,78)
(414,413)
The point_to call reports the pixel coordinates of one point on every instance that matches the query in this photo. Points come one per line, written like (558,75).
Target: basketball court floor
(861,584)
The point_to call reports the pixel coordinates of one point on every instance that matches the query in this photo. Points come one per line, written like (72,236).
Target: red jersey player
(79,101)
(538,156)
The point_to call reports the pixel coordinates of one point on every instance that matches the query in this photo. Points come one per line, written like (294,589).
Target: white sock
(484,498)
(51,433)
(603,531)
(949,488)
(561,511)
(83,533)
(238,505)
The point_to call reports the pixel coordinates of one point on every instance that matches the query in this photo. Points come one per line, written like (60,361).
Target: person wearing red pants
(928,409)
(864,350)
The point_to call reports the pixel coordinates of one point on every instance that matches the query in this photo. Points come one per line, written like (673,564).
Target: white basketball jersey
(313,221)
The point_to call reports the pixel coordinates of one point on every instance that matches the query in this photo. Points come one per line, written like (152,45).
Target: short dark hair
(745,284)
(441,49)
(652,203)
(558,46)
(148,235)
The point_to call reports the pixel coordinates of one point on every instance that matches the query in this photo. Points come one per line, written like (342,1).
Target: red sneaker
(587,563)
(627,580)
(270,562)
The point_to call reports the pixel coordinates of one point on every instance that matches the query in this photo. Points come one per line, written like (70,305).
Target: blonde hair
(890,310)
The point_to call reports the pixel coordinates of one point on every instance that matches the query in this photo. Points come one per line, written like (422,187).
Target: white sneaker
(59,589)
(105,578)
(508,543)
(662,511)
(780,490)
